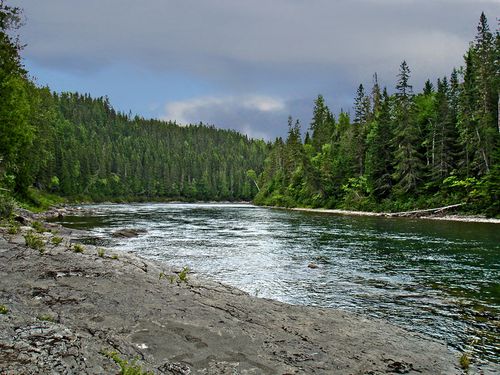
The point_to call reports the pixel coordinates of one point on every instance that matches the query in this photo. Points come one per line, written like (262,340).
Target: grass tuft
(183,275)
(78,248)
(101,252)
(38,227)
(34,241)
(4,309)
(56,240)
(126,367)
(464,361)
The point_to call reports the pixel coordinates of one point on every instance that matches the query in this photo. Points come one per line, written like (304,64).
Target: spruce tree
(407,159)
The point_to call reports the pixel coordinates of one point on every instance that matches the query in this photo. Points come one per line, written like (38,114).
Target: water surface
(435,277)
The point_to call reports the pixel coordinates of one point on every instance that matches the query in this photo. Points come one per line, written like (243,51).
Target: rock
(312,265)
(128,232)
(102,305)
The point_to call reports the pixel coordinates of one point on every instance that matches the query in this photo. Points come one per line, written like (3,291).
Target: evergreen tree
(408,164)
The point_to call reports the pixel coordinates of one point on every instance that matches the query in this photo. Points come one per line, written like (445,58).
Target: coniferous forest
(399,151)
(396,151)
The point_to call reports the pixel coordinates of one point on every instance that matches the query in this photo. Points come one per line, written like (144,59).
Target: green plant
(114,256)
(100,252)
(126,368)
(162,275)
(78,248)
(4,309)
(36,225)
(183,275)
(171,279)
(56,240)
(46,318)
(7,205)
(464,361)
(34,241)
(13,228)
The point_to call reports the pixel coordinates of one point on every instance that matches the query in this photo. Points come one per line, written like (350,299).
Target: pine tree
(408,164)
(322,124)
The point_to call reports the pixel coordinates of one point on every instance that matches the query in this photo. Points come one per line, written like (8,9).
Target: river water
(435,277)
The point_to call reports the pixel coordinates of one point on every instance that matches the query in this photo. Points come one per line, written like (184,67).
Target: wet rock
(128,233)
(120,305)
(312,265)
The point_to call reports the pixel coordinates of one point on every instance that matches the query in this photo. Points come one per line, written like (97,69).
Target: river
(435,277)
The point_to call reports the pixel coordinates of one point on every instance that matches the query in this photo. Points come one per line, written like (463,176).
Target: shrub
(114,256)
(4,309)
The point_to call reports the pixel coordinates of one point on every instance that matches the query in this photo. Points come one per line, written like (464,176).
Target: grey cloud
(285,48)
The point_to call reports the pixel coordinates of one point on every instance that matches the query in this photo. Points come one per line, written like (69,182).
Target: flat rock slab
(66,309)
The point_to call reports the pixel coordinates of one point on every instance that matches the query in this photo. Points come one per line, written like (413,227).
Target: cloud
(290,49)
(256,116)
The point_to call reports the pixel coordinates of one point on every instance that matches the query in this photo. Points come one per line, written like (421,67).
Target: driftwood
(419,213)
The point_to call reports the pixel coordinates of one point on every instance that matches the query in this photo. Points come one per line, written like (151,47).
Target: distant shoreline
(461,218)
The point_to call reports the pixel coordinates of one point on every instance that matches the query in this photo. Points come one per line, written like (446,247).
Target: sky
(243,65)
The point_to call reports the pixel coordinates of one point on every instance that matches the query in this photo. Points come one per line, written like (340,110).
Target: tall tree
(408,164)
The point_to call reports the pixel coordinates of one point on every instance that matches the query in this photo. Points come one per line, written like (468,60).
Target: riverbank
(447,217)
(69,307)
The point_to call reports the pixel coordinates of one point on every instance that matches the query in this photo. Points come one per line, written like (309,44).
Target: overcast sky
(237,64)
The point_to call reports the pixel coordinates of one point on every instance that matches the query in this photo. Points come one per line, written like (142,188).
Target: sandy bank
(464,218)
(65,308)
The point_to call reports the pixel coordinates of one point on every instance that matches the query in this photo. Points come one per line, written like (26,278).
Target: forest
(79,147)
(399,151)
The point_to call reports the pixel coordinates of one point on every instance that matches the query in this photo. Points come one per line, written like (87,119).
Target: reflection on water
(439,278)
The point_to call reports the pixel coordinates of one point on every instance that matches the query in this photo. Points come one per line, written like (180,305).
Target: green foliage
(38,227)
(46,318)
(78,248)
(464,361)
(4,309)
(183,275)
(56,240)
(13,228)
(35,241)
(402,151)
(114,256)
(126,367)
(101,252)
(7,205)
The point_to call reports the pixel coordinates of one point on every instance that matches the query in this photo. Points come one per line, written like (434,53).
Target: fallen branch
(418,213)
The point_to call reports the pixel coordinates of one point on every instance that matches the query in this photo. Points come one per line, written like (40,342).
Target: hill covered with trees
(401,151)
(80,147)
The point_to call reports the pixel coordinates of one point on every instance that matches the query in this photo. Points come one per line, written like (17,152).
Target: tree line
(400,151)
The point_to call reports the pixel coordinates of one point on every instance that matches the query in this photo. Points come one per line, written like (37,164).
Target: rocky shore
(73,309)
